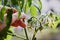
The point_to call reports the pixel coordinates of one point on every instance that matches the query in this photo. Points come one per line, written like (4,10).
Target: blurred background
(50,4)
(47,7)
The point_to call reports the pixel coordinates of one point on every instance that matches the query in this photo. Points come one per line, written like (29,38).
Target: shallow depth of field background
(47,5)
(51,4)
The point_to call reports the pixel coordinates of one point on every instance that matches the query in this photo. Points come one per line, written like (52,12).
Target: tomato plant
(36,21)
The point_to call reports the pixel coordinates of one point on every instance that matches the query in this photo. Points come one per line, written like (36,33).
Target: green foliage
(14,2)
(21,2)
(10,31)
(9,16)
(19,13)
(0,2)
(22,7)
(27,5)
(40,4)
(33,11)
(2,12)
(57,21)
(29,2)
(5,2)
(3,33)
(26,8)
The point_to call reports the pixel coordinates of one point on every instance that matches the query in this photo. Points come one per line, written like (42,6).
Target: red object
(19,23)
(22,24)
(15,24)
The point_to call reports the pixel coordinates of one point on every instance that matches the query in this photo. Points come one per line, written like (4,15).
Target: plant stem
(36,30)
(34,36)
(26,33)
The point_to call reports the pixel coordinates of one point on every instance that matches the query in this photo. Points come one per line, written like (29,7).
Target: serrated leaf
(33,11)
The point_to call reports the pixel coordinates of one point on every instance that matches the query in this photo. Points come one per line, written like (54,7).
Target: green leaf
(40,4)
(3,33)
(0,2)
(33,11)
(26,8)
(9,16)
(21,4)
(2,12)
(5,2)
(19,13)
(14,2)
(38,8)
(29,2)
(11,31)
